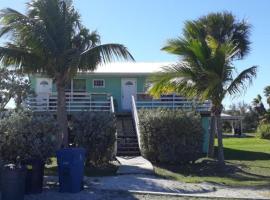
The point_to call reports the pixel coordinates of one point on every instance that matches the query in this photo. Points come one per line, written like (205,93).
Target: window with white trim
(98,83)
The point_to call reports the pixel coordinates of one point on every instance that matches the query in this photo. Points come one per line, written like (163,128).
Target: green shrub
(170,136)
(263,131)
(24,135)
(95,131)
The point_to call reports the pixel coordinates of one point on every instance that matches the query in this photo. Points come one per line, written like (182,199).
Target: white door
(44,86)
(129,88)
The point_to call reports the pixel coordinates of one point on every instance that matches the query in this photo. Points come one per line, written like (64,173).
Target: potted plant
(26,142)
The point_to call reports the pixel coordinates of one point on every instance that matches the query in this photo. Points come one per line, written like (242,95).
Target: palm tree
(258,105)
(223,27)
(263,113)
(50,39)
(206,72)
(267,94)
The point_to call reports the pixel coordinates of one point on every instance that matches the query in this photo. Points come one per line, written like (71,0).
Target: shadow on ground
(234,171)
(49,194)
(233,154)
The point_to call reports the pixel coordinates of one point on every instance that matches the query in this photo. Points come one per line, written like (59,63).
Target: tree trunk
(211,147)
(62,114)
(220,143)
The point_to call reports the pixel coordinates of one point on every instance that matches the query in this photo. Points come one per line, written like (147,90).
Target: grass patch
(108,170)
(247,159)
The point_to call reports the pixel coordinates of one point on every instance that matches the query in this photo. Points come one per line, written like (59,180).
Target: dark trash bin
(1,168)
(34,176)
(13,182)
(71,169)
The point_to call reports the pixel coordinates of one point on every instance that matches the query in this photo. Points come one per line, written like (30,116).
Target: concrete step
(135,165)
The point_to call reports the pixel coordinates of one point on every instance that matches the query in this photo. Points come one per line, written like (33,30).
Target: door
(44,86)
(129,88)
(43,91)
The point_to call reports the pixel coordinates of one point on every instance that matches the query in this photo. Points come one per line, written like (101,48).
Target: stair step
(127,136)
(127,141)
(128,148)
(128,153)
(127,144)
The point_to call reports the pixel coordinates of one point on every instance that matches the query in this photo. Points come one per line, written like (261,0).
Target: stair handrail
(136,120)
(112,105)
(112,110)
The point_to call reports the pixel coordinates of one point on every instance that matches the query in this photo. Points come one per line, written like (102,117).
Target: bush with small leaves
(169,136)
(96,132)
(263,131)
(24,135)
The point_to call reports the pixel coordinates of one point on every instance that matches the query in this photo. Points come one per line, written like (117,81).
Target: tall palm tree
(205,72)
(223,27)
(50,39)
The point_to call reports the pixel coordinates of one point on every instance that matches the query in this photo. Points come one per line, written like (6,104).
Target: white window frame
(98,80)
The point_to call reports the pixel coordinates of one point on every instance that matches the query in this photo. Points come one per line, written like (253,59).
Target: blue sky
(145,25)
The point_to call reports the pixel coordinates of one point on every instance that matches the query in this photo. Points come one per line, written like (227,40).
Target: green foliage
(267,94)
(24,135)
(13,84)
(262,111)
(96,132)
(249,114)
(263,131)
(170,136)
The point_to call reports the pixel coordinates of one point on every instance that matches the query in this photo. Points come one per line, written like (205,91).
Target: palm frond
(175,78)
(27,31)
(102,54)
(19,57)
(238,85)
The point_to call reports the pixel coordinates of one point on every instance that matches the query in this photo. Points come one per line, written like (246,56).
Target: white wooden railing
(136,119)
(171,101)
(75,101)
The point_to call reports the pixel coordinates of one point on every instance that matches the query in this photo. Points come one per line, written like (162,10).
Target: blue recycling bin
(71,169)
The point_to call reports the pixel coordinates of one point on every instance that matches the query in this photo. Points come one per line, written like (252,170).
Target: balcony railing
(171,101)
(75,101)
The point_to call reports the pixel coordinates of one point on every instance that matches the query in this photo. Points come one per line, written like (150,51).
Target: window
(79,85)
(76,85)
(129,83)
(98,83)
(43,83)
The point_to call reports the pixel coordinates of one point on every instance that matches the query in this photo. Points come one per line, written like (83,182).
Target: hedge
(263,131)
(95,131)
(170,136)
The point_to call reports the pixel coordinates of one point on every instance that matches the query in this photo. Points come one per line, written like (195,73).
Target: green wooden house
(115,87)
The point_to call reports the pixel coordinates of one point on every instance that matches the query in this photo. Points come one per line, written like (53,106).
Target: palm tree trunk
(220,143)
(62,114)
(211,152)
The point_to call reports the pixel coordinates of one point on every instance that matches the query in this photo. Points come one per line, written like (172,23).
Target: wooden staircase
(127,142)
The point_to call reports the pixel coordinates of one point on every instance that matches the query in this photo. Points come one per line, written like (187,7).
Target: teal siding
(141,84)
(205,120)
(33,82)
(112,85)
